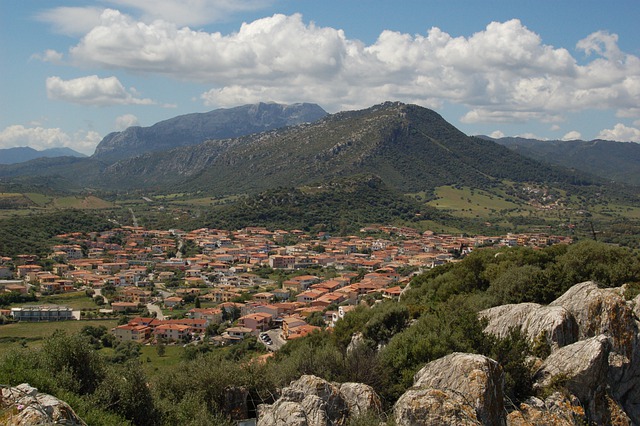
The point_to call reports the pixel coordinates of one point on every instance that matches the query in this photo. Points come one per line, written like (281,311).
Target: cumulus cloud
(572,136)
(620,133)
(40,138)
(125,121)
(92,90)
(504,73)
(71,20)
(191,12)
(48,55)
(497,134)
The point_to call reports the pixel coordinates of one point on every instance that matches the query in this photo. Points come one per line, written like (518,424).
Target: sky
(73,71)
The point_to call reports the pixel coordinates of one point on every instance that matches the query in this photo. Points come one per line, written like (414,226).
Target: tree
(161,348)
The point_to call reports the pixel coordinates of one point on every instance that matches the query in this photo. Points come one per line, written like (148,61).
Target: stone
(581,368)
(23,405)
(533,320)
(360,398)
(476,379)
(605,311)
(433,407)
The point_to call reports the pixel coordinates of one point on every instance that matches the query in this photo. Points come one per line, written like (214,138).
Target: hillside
(25,153)
(615,161)
(409,147)
(192,129)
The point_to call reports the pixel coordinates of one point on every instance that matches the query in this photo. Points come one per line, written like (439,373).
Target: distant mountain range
(192,129)
(615,161)
(408,147)
(22,154)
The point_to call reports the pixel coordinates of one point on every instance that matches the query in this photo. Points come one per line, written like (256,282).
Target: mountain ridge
(25,153)
(611,160)
(194,128)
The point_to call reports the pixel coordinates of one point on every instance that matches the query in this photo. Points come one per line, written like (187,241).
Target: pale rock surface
(360,398)
(582,369)
(557,409)
(433,407)
(533,320)
(24,405)
(312,401)
(475,379)
(604,311)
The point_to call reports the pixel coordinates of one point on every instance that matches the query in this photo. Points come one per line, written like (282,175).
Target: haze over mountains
(410,148)
(25,153)
(618,161)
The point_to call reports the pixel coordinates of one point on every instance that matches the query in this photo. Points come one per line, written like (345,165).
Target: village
(218,287)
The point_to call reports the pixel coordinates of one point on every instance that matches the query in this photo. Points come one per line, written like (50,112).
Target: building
(38,313)
(132,333)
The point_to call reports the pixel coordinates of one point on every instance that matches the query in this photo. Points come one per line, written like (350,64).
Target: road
(155,308)
(133,216)
(278,341)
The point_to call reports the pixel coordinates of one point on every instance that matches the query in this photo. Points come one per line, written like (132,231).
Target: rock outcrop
(312,401)
(557,409)
(432,407)
(466,381)
(582,369)
(605,311)
(533,320)
(23,405)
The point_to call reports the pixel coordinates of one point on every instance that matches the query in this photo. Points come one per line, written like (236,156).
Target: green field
(76,300)
(33,333)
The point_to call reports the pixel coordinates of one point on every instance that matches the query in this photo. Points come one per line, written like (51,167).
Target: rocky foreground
(590,376)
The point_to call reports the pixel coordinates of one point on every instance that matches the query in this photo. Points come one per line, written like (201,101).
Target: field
(12,335)
(76,300)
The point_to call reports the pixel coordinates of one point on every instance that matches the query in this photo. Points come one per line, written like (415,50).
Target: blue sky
(74,71)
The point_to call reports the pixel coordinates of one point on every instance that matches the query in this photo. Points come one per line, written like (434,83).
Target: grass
(469,203)
(75,300)
(155,364)
(34,333)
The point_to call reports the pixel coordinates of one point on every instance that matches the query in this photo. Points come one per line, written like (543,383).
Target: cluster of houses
(223,268)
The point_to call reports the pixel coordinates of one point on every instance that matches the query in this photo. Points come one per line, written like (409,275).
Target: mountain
(192,129)
(25,153)
(616,161)
(410,148)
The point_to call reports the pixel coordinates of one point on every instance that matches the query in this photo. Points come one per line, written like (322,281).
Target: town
(217,287)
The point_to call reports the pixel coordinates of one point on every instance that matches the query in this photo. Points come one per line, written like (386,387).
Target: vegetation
(437,315)
(35,234)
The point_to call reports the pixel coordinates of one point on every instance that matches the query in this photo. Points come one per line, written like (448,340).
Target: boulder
(24,405)
(604,311)
(360,398)
(474,379)
(581,368)
(282,413)
(433,407)
(312,401)
(557,410)
(533,320)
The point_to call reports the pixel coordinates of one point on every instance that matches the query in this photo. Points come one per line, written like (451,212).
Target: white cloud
(125,121)
(48,55)
(621,133)
(572,136)
(497,134)
(92,90)
(191,12)
(504,73)
(40,138)
(71,20)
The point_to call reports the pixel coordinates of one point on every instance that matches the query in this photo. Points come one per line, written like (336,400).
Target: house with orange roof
(172,332)
(132,333)
(257,322)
